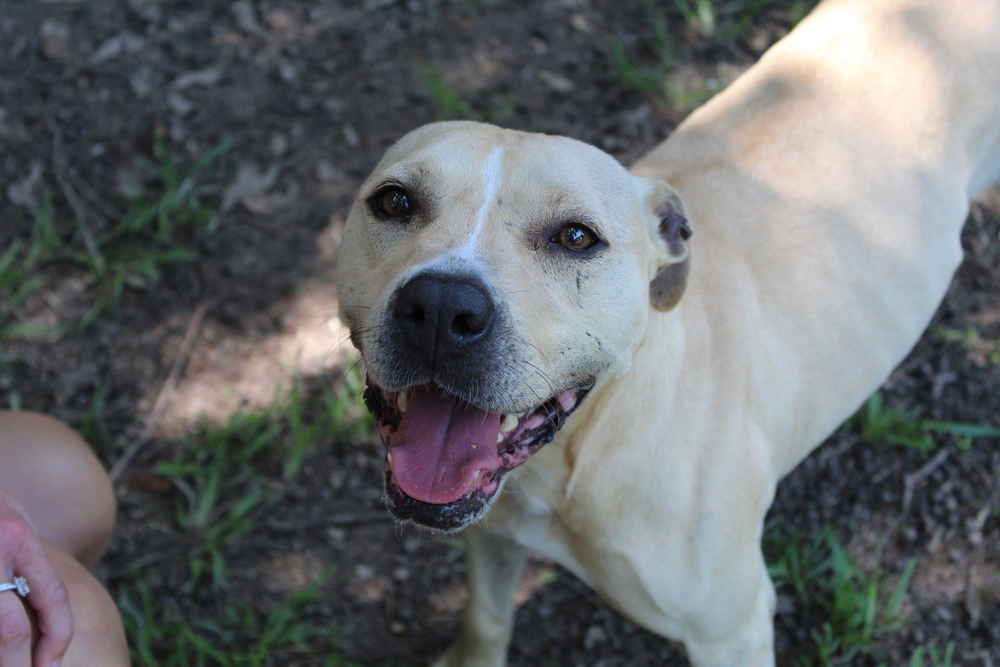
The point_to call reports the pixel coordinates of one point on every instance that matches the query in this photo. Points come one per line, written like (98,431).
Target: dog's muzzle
(441,351)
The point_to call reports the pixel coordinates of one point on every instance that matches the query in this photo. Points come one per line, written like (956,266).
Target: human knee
(98,634)
(97,631)
(60,482)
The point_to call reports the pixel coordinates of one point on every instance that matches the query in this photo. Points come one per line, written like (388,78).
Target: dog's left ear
(670,232)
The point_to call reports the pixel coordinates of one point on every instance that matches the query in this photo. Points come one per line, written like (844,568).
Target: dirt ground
(310,93)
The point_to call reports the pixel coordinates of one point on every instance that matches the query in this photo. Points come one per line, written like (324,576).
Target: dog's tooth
(509,424)
(472,484)
(388,459)
(567,400)
(500,437)
(403,400)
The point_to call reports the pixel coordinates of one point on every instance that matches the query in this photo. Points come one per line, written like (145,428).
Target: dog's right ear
(670,232)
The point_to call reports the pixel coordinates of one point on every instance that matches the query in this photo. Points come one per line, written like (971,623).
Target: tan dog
(491,279)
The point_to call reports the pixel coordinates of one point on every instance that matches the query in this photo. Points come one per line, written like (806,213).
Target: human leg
(58,510)
(98,635)
(47,468)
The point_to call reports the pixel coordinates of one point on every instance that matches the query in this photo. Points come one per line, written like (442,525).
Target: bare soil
(311,93)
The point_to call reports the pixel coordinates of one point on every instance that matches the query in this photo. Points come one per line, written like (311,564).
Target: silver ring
(20,585)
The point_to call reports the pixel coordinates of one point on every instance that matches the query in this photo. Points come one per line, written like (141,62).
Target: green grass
(163,635)
(343,416)
(222,480)
(798,11)
(877,422)
(650,66)
(220,472)
(979,348)
(133,252)
(129,253)
(699,13)
(656,77)
(181,203)
(721,21)
(649,79)
(848,609)
(18,275)
(216,473)
(929,656)
(452,105)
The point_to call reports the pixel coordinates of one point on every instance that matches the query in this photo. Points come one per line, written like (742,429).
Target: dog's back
(847,158)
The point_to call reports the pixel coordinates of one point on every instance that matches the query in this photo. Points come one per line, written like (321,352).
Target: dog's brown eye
(576,237)
(394,202)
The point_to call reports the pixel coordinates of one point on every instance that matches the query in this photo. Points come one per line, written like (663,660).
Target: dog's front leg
(494,567)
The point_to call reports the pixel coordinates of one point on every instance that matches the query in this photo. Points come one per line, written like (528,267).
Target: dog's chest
(533,510)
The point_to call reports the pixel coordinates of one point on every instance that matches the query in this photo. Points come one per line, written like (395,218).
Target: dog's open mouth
(446,459)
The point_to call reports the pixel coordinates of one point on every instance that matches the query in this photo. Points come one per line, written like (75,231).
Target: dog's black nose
(443,315)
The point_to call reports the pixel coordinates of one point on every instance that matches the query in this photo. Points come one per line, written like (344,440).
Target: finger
(15,632)
(50,600)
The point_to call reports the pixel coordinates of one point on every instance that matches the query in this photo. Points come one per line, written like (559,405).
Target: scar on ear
(667,288)
(673,225)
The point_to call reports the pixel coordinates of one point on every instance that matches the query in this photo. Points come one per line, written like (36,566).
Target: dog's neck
(663,347)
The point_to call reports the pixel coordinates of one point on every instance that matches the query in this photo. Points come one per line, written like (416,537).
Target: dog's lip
(447,517)
(518,441)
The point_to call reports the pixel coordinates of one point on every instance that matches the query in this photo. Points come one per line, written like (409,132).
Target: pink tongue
(440,445)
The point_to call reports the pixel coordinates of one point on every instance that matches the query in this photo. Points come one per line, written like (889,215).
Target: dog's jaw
(461,492)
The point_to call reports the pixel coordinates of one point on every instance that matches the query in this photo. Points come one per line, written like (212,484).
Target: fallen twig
(149,559)
(355,518)
(335,520)
(105,209)
(836,452)
(194,325)
(59,168)
(914,479)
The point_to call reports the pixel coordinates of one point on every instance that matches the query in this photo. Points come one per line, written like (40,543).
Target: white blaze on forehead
(492,174)
(491,184)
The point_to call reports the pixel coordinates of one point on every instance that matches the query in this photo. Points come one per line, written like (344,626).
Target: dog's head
(490,278)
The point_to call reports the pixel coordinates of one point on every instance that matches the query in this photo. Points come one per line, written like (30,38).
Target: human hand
(22,555)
